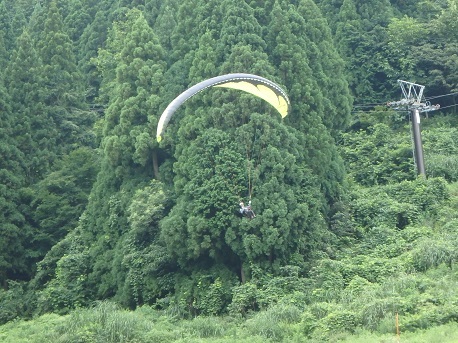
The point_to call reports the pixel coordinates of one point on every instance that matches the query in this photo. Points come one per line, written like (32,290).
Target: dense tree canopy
(93,208)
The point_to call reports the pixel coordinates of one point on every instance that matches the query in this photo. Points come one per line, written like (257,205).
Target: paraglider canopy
(253,84)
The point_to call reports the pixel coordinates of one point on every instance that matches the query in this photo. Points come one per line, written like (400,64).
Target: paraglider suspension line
(249,154)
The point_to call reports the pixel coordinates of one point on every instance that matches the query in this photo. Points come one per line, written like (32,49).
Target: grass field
(106,322)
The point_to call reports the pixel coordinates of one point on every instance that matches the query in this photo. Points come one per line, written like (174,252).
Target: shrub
(308,323)
(445,166)
(355,288)
(327,280)
(265,324)
(430,316)
(374,207)
(105,322)
(286,313)
(15,302)
(341,320)
(42,329)
(431,252)
(205,292)
(204,327)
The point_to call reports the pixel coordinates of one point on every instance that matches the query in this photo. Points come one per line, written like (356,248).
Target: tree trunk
(155,165)
(242,274)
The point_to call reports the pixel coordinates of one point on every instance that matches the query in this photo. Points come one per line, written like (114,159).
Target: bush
(16,302)
(431,252)
(445,166)
(244,299)
(327,280)
(440,334)
(286,313)
(265,324)
(430,316)
(106,322)
(341,320)
(204,327)
(374,207)
(42,329)
(69,289)
(355,288)
(206,292)
(261,294)
(308,323)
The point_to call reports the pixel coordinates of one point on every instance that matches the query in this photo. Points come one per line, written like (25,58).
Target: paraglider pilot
(246,210)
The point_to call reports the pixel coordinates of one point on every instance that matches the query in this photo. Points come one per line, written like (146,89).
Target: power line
(442,107)
(370,105)
(399,110)
(370,111)
(440,96)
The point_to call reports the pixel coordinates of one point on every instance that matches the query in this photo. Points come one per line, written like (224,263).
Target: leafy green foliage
(63,93)
(264,291)
(126,124)
(16,302)
(143,259)
(204,221)
(63,193)
(13,259)
(377,156)
(108,323)
(68,289)
(331,253)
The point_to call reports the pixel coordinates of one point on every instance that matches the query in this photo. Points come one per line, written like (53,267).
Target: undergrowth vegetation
(395,256)
(106,322)
(352,294)
(107,235)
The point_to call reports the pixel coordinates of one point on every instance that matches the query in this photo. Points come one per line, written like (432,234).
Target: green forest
(107,235)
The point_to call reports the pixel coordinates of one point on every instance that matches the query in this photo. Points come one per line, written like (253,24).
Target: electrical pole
(413,96)
(418,147)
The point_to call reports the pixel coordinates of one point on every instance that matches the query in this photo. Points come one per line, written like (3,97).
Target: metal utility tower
(413,96)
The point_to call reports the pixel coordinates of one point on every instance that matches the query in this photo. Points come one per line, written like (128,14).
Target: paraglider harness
(247,210)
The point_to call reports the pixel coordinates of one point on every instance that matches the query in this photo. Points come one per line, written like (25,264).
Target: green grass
(40,330)
(447,333)
(282,323)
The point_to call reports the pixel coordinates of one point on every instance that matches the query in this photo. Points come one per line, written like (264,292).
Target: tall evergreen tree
(13,260)
(327,66)
(185,37)
(91,40)
(299,34)
(3,51)
(239,27)
(230,147)
(165,22)
(64,90)
(37,137)
(360,37)
(131,116)
(184,40)
(60,198)
(36,131)
(313,73)
(5,28)
(77,20)
(12,21)
(36,20)
(28,129)
(129,125)
(347,35)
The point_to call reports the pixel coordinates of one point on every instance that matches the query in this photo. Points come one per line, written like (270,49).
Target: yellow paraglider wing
(253,84)
(273,97)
